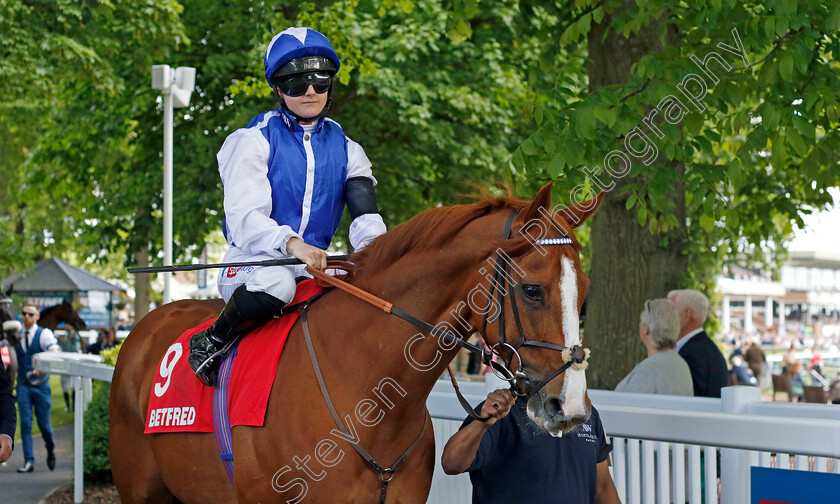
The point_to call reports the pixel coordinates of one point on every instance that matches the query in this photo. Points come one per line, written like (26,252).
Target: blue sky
(822,230)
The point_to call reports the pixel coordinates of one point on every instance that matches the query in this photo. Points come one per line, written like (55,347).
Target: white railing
(658,442)
(82,368)
(831,358)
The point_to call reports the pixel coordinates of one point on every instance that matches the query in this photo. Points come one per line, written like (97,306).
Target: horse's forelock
(521,244)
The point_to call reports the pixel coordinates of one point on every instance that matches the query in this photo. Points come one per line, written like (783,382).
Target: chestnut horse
(378,369)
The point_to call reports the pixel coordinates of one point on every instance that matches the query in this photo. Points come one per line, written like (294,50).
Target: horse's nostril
(553,408)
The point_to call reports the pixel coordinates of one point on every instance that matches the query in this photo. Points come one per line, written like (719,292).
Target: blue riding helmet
(294,44)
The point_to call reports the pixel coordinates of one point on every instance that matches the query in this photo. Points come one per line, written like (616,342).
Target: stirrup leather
(206,371)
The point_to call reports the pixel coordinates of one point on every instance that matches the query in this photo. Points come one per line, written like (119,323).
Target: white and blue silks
(282,181)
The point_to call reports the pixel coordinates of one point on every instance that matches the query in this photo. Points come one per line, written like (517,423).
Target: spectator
(743,374)
(788,358)
(816,363)
(511,461)
(739,348)
(834,390)
(105,340)
(8,416)
(33,387)
(797,381)
(663,371)
(757,362)
(69,342)
(708,366)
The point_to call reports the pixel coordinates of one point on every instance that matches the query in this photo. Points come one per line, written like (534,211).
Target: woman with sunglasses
(287,177)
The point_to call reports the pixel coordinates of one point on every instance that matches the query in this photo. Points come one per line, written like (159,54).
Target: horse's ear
(10,290)
(579,212)
(543,199)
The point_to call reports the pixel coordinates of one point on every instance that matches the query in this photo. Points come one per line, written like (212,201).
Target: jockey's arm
(360,196)
(361,202)
(243,167)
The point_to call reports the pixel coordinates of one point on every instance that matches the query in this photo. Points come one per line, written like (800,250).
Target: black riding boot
(243,312)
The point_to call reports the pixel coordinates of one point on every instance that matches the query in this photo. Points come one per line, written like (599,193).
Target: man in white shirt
(33,387)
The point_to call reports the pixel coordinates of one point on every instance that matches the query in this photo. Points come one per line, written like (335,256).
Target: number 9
(167,367)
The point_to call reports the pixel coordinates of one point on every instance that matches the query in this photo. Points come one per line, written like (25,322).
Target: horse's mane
(48,310)
(54,308)
(434,227)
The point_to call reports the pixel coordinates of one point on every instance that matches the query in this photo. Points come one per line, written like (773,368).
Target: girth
(386,474)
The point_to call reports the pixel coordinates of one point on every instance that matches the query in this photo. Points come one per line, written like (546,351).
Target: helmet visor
(297,85)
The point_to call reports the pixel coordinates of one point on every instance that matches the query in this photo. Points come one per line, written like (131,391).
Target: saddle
(179,402)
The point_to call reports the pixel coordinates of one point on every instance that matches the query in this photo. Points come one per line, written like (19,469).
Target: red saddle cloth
(179,402)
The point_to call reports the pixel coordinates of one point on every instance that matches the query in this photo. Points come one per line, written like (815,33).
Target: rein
(387,307)
(575,357)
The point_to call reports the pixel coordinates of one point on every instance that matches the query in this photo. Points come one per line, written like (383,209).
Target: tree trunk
(628,264)
(142,286)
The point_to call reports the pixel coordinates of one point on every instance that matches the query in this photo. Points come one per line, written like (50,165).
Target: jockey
(286,177)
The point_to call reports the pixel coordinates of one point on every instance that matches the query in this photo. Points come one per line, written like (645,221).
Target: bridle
(574,356)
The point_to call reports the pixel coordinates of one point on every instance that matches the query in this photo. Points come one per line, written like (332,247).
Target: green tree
(732,169)
(432,114)
(64,62)
(441,95)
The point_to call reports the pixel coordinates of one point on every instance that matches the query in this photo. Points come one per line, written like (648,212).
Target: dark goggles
(298,84)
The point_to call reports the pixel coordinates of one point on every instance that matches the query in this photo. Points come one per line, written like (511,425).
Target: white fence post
(88,382)
(78,440)
(735,463)
(83,368)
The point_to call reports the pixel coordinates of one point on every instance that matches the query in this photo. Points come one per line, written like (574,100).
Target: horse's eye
(532,292)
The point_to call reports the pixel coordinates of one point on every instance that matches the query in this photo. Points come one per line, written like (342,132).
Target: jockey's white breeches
(278,281)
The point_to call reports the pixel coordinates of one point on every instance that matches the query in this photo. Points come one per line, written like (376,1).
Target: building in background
(53,281)
(803,306)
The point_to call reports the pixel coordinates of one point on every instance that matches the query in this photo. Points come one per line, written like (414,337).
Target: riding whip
(192,267)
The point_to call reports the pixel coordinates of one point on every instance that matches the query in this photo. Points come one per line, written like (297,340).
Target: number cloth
(180,403)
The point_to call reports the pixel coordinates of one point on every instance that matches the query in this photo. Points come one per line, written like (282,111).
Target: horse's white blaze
(574,383)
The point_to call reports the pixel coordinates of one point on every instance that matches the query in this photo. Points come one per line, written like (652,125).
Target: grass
(58,417)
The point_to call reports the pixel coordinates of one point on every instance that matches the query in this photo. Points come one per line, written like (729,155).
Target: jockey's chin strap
(387,307)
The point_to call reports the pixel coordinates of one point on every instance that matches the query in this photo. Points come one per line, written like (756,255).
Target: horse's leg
(155,468)
(133,465)
(135,471)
